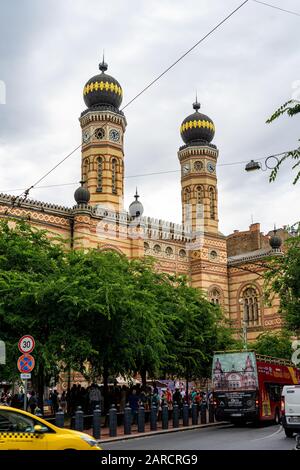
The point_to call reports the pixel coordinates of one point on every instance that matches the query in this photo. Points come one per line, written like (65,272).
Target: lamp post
(253,165)
(244,328)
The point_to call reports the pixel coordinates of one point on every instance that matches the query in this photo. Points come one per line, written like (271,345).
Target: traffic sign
(25,376)
(26,363)
(26,344)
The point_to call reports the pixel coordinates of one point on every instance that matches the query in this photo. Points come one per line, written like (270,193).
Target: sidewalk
(105,437)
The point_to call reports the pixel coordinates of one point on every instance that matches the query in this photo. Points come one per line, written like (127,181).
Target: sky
(242,73)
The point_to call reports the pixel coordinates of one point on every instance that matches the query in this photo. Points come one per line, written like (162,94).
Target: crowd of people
(120,396)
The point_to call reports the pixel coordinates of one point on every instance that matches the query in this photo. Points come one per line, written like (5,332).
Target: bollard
(97,422)
(211,413)
(60,418)
(175,415)
(113,421)
(127,420)
(194,413)
(165,417)
(141,419)
(153,418)
(185,414)
(203,413)
(79,419)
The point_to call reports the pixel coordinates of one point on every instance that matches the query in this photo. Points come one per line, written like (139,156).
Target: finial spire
(136,194)
(103,65)
(196,105)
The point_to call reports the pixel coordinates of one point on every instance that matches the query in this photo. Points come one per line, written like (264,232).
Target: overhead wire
(276,8)
(149,174)
(26,192)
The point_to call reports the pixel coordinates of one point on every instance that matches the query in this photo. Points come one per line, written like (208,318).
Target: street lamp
(241,302)
(253,165)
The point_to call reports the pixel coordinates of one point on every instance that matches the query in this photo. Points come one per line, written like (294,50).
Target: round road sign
(26,363)
(26,344)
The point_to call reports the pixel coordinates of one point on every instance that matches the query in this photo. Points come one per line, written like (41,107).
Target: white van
(290,409)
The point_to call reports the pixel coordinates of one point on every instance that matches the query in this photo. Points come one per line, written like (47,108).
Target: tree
(277,344)
(196,328)
(283,278)
(291,108)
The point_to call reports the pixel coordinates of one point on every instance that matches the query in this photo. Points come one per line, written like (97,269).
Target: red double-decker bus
(247,386)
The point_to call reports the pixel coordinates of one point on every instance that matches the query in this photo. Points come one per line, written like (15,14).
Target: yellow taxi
(20,430)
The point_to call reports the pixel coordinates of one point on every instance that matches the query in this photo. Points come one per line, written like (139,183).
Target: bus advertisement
(247,386)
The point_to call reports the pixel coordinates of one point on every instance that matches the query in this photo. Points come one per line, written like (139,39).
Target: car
(20,430)
(290,409)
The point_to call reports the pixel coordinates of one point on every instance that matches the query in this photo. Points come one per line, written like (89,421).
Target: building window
(85,169)
(157,249)
(99,174)
(146,247)
(215,296)
(251,308)
(186,196)
(114,176)
(212,203)
(213,255)
(169,251)
(100,133)
(182,253)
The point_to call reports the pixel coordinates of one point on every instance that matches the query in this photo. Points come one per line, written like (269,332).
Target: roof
(252,256)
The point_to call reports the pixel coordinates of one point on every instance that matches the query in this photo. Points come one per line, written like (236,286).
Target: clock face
(100,133)
(211,167)
(114,135)
(185,168)
(86,137)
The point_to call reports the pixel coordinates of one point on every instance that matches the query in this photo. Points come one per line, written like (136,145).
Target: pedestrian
(63,402)
(32,402)
(133,400)
(94,396)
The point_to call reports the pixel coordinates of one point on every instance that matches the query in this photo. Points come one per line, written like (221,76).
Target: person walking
(32,402)
(94,396)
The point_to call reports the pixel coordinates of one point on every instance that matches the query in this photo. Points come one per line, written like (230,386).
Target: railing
(114,422)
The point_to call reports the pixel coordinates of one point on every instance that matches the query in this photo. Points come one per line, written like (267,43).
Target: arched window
(200,194)
(186,196)
(212,203)
(99,174)
(85,169)
(114,175)
(251,309)
(200,201)
(215,296)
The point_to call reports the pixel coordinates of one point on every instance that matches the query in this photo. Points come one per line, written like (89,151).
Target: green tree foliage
(291,108)
(283,278)
(100,308)
(274,344)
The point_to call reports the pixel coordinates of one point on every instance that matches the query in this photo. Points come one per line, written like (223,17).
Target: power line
(185,54)
(26,192)
(149,174)
(276,8)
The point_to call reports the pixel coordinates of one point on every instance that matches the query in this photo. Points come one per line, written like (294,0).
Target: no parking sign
(26,363)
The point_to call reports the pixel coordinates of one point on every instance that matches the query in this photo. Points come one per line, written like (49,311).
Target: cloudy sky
(242,73)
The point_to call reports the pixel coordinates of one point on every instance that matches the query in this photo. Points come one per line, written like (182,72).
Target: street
(225,437)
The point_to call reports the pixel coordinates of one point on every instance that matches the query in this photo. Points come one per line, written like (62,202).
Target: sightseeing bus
(247,386)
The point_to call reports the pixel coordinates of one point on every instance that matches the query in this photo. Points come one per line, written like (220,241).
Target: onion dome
(82,195)
(136,208)
(102,89)
(197,127)
(275,241)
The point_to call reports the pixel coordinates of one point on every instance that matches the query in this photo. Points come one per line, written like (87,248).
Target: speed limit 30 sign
(26,344)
